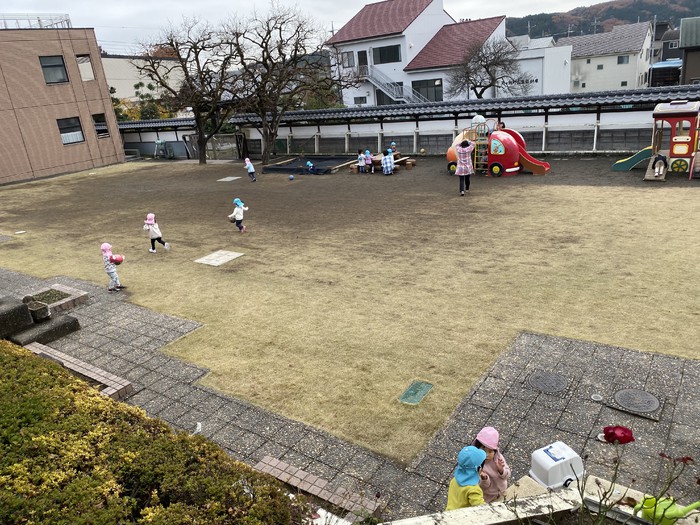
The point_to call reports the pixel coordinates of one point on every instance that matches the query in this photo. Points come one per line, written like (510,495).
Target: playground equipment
(674,145)
(497,152)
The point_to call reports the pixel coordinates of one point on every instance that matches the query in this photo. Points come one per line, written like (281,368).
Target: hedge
(71,456)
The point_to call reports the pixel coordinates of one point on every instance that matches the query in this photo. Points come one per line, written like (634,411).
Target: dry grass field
(352,286)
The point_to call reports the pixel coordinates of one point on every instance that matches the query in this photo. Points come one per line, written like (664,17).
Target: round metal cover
(548,382)
(636,400)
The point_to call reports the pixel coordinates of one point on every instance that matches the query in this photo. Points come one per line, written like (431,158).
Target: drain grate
(548,382)
(637,402)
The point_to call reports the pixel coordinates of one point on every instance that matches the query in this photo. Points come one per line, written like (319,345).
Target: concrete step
(46,331)
(14,316)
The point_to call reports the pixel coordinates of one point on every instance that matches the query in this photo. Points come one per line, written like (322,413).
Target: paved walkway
(538,391)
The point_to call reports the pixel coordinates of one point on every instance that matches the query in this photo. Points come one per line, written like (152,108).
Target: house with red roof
(403,50)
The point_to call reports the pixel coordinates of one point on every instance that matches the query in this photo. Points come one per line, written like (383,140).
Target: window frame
(347,59)
(84,69)
(104,133)
(386,54)
(359,100)
(51,68)
(430,88)
(673,44)
(599,67)
(623,60)
(68,132)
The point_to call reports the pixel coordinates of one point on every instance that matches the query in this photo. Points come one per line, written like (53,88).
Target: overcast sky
(118,24)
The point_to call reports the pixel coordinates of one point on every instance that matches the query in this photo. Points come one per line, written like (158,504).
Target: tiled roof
(564,101)
(627,38)
(449,45)
(380,19)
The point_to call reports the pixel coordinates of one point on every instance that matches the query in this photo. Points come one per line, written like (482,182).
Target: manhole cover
(548,382)
(415,393)
(638,402)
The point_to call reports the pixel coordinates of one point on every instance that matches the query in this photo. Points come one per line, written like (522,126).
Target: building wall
(550,68)
(691,66)
(586,76)
(29,107)
(122,74)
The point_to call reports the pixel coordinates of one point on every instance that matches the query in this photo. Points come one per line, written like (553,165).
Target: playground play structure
(497,152)
(674,144)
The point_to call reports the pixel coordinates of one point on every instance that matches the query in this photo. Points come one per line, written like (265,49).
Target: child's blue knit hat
(238,202)
(469,460)
(308,163)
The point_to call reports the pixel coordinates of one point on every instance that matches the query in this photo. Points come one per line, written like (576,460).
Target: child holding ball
(110,262)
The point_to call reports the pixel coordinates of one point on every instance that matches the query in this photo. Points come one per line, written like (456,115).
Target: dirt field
(352,286)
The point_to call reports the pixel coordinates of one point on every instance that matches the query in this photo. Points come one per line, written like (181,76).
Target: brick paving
(125,340)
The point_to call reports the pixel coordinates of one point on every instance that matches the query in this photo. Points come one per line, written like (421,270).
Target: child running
(151,226)
(251,169)
(110,268)
(237,214)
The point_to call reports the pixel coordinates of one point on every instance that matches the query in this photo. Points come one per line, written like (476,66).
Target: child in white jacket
(151,226)
(237,215)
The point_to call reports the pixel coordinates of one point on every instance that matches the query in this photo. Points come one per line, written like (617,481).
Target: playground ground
(353,286)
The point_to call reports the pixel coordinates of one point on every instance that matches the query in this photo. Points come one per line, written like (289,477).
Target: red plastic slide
(530,163)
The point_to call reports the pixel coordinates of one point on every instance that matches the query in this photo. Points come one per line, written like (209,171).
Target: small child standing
(237,214)
(465,168)
(151,226)
(464,487)
(310,168)
(361,161)
(251,169)
(495,474)
(110,268)
(369,164)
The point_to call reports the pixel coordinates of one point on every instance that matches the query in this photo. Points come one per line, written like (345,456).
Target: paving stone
(436,469)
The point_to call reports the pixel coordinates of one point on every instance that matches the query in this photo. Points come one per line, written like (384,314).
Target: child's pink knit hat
(150,218)
(106,248)
(488,436)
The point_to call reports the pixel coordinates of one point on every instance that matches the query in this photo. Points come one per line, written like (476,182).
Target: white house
(122,74)
(619,59)
(403,50)
(548,66)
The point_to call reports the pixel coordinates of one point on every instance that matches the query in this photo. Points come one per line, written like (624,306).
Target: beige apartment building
(55,110)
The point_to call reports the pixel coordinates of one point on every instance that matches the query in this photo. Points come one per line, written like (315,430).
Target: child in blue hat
(237,215)
(310,167)
(388,163)
(464,486)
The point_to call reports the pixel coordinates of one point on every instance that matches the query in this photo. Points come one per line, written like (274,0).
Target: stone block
(14,316)
(50,330)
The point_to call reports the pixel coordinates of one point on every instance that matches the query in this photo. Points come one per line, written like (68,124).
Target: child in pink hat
(151,226)
(495,473)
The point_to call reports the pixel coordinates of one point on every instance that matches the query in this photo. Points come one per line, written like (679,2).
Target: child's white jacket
(153,230)
(238,213)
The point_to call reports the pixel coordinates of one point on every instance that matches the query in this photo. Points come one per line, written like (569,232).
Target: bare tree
(493,65)
(281,66)
(191,63)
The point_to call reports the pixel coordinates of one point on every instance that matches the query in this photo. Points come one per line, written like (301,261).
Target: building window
(673,44)
(387,54)
(583,84)
(623,59)
(54,69)
(576,83)
(623,83)
(599,66)
(70,130)
(430,89)
(85,67)
(100,122)
(360,100)
(588,61)
(348,58)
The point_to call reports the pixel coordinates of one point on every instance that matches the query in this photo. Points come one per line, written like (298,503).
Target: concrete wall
(30,140)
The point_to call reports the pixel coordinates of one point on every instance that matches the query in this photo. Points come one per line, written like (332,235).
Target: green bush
(69,455)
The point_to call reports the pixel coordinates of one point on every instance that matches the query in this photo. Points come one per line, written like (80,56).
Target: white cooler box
(556,466)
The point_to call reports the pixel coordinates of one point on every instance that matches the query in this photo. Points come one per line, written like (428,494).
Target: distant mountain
(602,17)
